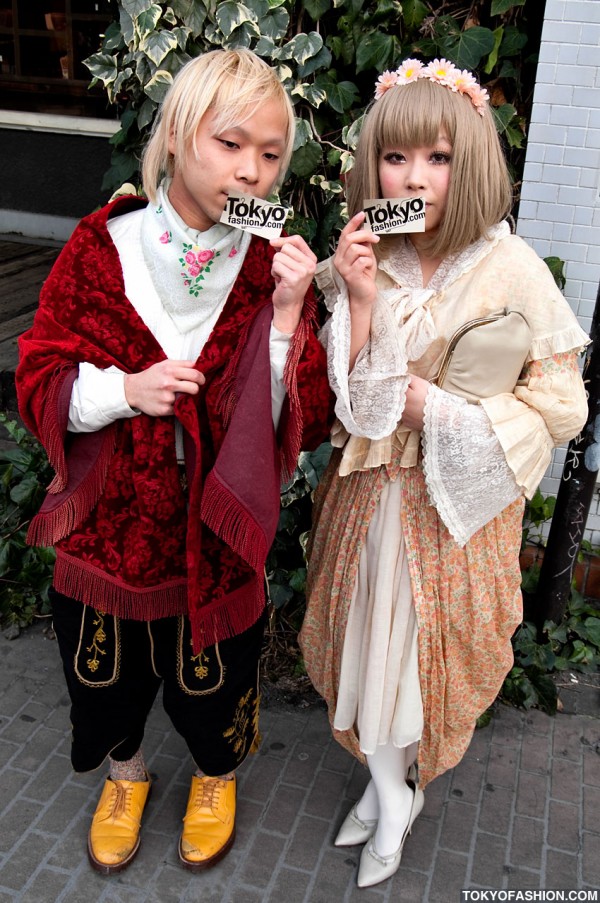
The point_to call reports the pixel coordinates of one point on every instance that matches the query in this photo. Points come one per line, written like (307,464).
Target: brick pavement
(520,811)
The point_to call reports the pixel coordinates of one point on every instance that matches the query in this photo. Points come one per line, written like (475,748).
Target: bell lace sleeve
(468,479)
(369,400)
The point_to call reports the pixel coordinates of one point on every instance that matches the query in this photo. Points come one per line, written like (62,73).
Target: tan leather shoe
(114,836)
(209,822)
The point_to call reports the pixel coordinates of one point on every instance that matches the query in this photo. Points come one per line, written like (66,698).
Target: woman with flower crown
(414,580)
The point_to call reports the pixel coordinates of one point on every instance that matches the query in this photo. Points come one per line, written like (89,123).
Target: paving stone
(532,794)
(561,870)
(449,877)
(489,860)
(495,811)
(563,826)
(325,794)
(24,860)
(282,811)
(527,841)
(311,836)
(591,858)
(262,859)
(47,885)
(565,781)
(457,828)
(290,886)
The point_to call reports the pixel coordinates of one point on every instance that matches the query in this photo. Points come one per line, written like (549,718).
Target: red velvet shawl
(128,541)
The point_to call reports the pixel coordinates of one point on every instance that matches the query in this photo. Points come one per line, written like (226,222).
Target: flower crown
(441,71)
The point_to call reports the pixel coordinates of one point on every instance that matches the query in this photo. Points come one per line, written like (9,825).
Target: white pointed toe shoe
(374,868)
(354,830)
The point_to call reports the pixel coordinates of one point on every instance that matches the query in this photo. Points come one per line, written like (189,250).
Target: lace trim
(468,480)
(370,401)
(404,267)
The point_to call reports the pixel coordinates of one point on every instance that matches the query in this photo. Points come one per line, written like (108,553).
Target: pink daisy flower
(409,71)
(385,81)
(441,71)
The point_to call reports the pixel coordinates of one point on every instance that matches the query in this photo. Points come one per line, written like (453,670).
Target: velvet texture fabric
(128,540)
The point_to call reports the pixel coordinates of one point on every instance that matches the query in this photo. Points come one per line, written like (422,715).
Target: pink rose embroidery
(190,257)
(194,269)
(203,256)
(233,252)
(165,238)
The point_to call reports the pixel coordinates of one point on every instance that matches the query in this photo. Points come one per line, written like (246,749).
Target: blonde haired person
(413,580)
(172,373)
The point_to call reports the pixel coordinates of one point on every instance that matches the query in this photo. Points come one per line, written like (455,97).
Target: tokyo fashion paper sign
(392,215)
(254,215)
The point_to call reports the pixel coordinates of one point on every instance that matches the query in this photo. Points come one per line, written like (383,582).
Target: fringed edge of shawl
(58,518)
(55,425)
(222,512)
(83,581)
(227,617)
(292,440)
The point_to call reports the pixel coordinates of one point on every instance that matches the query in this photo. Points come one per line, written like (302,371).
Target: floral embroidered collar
(193,272)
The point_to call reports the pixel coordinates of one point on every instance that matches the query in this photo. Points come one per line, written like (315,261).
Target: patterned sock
(224,777)
(133,769)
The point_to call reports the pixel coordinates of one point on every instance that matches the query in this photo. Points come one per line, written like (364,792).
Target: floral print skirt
(467,603)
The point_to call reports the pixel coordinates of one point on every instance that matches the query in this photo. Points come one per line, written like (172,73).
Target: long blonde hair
(412,115)
(229,82)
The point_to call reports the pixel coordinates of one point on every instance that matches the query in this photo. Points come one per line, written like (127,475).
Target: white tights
(387,796)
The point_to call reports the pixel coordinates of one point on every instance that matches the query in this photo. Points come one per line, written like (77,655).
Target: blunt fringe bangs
(413,115)
(228,82)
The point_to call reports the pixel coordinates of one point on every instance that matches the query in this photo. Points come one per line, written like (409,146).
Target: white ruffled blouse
(477,458)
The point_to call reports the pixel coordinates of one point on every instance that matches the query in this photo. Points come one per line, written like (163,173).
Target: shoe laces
(207,793)
(119,801)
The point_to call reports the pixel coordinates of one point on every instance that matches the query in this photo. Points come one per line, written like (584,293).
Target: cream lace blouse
(477,458)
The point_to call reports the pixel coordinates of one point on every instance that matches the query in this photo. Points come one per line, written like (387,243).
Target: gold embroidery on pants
(245,724)
(89,655)
(98,638)
(198,675)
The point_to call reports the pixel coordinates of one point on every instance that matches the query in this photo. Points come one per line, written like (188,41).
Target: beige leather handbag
(485,356)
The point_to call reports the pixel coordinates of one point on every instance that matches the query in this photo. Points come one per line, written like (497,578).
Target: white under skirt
(379,691)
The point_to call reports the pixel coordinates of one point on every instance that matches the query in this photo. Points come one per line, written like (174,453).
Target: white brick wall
(559,213)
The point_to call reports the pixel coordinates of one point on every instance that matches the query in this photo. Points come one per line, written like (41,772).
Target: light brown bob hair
(230,82)
(412,115)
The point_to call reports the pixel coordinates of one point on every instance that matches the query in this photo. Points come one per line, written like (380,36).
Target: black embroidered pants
(114,668)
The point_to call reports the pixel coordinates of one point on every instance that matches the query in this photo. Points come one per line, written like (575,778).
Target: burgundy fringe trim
(222,512)
(228,617)
(55,424)
(58,519)
(84,582)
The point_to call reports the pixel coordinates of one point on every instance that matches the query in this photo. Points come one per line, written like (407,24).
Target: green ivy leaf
(306,159)
(467,48)
(557,268)
(493,57)
(275,24)
(157,45)
(242,36)
(158,85)
(503,115)
(303,133)
(103,67)
(592,631)
(312,93)
(350,133)
(135,8)
(301,48)
(127,28)
(146,113)
(113,38)
(374,51)
(513,41)
(316,8)
(147,20)
(231,15)
(413,13)
(183,34)
(196,17)
(321,60)
(342,96)
(502,6)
